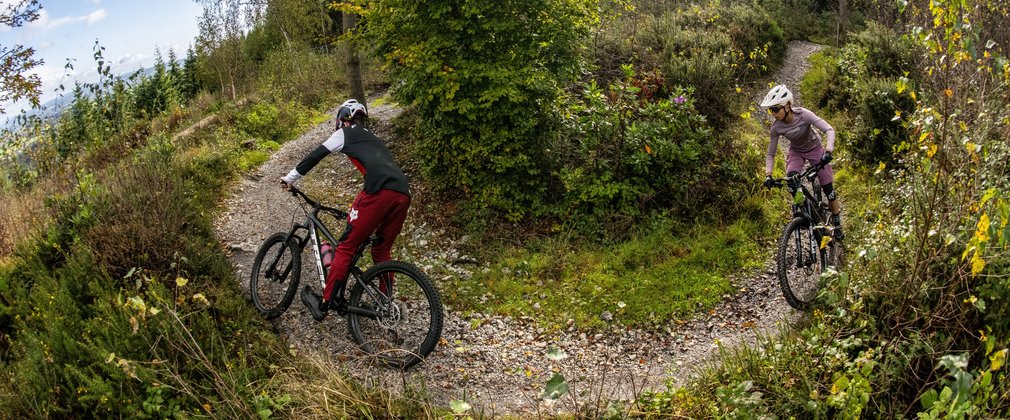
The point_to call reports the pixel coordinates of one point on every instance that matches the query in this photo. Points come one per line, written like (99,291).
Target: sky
(130,30)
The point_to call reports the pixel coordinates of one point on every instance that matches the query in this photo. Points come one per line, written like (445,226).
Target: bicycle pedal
(339,305)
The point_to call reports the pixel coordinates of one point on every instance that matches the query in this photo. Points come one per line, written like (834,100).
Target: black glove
(826,159)
(769,181)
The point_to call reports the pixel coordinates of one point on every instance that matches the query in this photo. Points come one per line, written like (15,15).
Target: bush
(879,128)
(274,122)
(820,85)
(884,53)
(486,105)
(302,75)
(813,20)
(149,216)
(631,154)
(863,79)
(714,49)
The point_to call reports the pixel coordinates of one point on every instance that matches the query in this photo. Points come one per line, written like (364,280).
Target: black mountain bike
(807,246)
(398,321)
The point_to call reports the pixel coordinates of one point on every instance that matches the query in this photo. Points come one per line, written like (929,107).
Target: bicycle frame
(312,225)
(810,209)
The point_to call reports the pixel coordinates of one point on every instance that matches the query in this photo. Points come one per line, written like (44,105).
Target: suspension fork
(805,256)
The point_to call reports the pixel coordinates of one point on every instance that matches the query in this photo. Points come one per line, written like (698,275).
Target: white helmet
(350,110)
(778,96)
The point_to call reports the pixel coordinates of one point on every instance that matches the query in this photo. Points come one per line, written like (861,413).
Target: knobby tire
(406,333)
(273,295)
(799,284)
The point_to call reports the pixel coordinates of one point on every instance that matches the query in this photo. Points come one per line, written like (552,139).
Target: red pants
(383,213)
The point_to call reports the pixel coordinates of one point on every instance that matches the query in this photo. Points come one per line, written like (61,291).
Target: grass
(652,279)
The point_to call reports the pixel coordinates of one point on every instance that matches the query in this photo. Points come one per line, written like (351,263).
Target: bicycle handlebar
(780,182)
(315,204)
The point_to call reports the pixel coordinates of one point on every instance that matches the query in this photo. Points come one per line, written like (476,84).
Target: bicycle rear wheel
(801,260)
(408,321)
(276,272)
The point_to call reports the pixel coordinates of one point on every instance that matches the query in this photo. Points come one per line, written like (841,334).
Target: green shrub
(872,79)
(884,52)
(87,333)
(273,122)
(879,128)
(630,154)
(713,49)
(303,75)
(486,104)
(815,20)
(820,85)
(251,159)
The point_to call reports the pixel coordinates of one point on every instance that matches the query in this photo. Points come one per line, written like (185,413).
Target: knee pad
(829,191)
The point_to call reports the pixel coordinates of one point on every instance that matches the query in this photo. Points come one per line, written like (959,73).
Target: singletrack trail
(495,363)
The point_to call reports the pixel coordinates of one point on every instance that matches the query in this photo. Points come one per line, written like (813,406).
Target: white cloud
(46,22)
(95,17)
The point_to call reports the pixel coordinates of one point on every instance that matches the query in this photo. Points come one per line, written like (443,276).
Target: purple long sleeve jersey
(800,134)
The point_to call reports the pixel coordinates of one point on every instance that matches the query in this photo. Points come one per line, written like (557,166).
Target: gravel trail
(497,364)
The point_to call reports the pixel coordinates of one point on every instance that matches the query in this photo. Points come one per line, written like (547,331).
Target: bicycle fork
(805,257)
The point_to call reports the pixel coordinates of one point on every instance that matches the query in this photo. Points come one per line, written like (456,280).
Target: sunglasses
(774,109)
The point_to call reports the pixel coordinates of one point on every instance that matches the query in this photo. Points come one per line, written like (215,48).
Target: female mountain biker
(380,207)
(796,125)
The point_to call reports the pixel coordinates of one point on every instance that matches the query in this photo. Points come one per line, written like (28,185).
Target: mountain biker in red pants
(797,125)
(380,207)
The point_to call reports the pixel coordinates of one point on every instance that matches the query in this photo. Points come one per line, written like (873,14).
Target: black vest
(381,171)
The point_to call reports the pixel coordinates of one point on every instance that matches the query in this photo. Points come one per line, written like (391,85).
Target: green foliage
(273,122)
(286,25)
(302,75)
(252,159)
(815,20)
(838,76)
(16,80)
(873,78)
(484,78)
(88,333)
(628,154)
(879,129)
(156,93)
(713,49)
(919,320)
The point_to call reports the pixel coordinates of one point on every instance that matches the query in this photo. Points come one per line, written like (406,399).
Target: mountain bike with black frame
(807,247)
(393,311)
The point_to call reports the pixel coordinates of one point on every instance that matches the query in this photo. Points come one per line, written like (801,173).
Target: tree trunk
(843,21)
(353,61)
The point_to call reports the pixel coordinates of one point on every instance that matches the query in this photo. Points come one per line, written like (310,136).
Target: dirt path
(497,364)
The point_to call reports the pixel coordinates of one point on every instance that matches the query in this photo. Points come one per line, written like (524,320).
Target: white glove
(292,177)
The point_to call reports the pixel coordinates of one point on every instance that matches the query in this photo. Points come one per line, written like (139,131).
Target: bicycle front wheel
(275,275)
(801,261)
(408,321)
